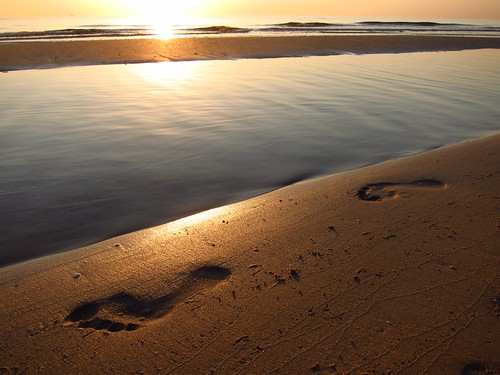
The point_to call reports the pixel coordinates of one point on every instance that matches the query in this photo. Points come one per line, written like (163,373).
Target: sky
(422,9)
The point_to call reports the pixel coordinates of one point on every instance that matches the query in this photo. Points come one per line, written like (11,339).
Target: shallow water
(87,153)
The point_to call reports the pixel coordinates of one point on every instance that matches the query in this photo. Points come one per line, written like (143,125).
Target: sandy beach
(29,55)
(391,268)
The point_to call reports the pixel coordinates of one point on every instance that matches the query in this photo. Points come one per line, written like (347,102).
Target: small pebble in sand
(76,275)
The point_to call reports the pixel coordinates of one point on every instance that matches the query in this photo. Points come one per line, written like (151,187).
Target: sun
(162,14)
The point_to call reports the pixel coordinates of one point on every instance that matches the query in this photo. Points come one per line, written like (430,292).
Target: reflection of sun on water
(162,29)
(166,74)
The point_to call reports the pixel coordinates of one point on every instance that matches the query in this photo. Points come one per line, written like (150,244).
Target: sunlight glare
(166,74)
(200,217)
(162,14)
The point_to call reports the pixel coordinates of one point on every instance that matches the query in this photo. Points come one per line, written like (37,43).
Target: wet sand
(391,268)
(29,55)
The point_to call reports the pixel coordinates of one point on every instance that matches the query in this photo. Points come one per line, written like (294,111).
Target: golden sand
(27,55)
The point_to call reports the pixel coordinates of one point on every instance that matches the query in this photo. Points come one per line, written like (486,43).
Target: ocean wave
(366,23)
(216,30)
(104,30)
(407,23)
(305,24)
(73,33)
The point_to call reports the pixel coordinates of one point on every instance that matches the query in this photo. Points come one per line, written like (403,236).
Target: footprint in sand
(126,312)
(475,368)
(383,190)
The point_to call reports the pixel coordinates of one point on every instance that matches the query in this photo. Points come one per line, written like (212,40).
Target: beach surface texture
(29,55)
(391,268)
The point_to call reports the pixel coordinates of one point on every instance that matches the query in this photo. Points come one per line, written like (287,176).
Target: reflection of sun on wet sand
(27,55)
(391,268)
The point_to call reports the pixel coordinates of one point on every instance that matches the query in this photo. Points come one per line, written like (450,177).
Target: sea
(91,152)
(46,29)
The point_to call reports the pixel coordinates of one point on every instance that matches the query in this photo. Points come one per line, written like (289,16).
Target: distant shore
(33,55)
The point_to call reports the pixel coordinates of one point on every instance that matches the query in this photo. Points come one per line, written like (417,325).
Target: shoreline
(36,55)
(386,268)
